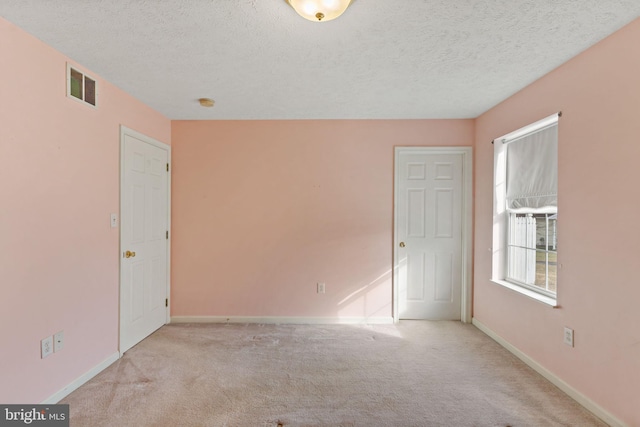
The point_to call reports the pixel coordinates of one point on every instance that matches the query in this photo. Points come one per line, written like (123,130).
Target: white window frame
(511,229)
(501,217)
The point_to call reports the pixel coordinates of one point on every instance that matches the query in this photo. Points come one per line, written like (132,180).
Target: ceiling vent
(80,86)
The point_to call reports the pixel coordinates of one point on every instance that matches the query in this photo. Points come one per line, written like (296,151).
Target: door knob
(402,245)
(129,254)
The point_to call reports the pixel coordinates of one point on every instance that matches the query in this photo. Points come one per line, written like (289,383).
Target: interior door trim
(130,132)
(467,223)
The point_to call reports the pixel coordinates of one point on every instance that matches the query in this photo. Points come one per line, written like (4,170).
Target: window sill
(526,292)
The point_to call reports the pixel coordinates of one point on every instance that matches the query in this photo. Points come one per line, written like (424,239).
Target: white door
(144,247)
(429,253)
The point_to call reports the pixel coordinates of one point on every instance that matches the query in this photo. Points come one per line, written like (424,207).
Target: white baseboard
(583,400)
(285,320)
(58,396)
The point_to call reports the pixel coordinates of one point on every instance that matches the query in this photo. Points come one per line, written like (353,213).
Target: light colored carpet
(411,374)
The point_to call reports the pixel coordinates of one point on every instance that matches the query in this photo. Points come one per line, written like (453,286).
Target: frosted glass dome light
(319,10)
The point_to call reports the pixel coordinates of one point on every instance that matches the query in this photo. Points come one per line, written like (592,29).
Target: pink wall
(599,147)
(263,210)
(59,168)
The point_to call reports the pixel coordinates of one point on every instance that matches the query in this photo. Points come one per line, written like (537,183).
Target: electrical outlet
(46,347)
(321,288)
(58,341)
(568,336)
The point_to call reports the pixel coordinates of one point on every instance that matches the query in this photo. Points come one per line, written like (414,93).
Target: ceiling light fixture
(319,10)
(206,102)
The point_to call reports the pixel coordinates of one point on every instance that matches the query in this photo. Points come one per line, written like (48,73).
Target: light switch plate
(114,220)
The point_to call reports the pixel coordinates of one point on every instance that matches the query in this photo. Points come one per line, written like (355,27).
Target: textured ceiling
(383,59)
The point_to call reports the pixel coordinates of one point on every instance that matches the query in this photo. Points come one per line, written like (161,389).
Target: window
(525,235)
(532,251)
(81,86)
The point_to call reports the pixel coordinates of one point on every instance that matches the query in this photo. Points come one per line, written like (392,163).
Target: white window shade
(532,171)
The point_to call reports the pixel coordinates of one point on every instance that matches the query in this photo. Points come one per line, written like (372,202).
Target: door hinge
(167,167)
(166,302)
(167,234)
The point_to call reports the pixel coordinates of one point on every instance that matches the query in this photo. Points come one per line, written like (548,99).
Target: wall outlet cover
(568,336)
(46,347)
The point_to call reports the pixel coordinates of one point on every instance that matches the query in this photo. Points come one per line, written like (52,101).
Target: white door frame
(467,221)
(126,131)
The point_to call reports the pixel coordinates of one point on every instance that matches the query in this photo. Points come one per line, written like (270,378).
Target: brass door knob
(402,245)
(129,254)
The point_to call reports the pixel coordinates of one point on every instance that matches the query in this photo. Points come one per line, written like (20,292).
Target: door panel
(429,225)
(144,213)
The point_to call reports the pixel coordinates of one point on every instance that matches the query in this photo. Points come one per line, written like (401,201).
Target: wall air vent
(80,86)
